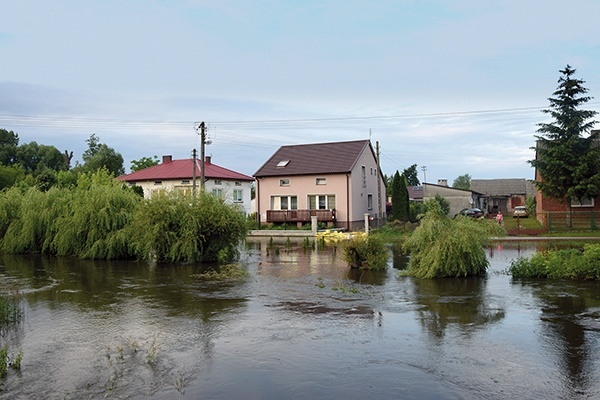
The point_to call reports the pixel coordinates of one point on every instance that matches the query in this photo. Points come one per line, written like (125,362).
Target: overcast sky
(455,86)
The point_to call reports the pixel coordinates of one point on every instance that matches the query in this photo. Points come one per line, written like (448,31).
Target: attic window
(283,163)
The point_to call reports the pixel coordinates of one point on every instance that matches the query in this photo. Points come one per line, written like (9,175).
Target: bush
(442,247)
(365,252)
(560,264)
(176,227)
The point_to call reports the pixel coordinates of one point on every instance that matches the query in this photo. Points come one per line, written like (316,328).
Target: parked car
(520,211)
(470,212)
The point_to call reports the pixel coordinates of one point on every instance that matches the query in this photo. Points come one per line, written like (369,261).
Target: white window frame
(238,196)
(587,202)
(321,181)
(284,182)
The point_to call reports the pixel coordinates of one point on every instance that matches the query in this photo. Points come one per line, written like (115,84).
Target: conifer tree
(567,151)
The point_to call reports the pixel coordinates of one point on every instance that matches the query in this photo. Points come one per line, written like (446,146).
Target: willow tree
(567,151)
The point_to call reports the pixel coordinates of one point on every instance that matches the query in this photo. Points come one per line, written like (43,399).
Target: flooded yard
(302,325)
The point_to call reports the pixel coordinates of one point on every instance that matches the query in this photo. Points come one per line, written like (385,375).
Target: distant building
(233,187)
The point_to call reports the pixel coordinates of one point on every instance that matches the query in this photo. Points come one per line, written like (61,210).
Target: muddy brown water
(302,325)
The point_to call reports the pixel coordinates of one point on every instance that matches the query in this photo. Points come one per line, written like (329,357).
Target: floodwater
(302,325)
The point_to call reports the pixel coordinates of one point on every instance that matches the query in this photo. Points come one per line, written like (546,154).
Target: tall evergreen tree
(400,206)
(567,150)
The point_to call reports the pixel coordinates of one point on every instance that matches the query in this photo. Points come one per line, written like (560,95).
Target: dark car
(470,212)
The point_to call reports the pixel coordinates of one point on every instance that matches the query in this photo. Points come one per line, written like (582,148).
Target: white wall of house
(233,192)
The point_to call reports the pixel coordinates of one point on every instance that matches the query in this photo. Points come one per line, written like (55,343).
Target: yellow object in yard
(335,236)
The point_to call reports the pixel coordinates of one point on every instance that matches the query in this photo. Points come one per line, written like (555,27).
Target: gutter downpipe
(257,197)
(348,202)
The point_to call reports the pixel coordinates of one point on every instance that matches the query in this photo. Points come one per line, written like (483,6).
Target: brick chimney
(207,159)
(166,159)
(443,182)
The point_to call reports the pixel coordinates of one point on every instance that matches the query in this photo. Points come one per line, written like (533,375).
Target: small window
(238,196)
(185,182)
(283,163)
(218,182)
(156,183)
(585,202)
(238,183)
(321,181)
(284,182)
(369,201)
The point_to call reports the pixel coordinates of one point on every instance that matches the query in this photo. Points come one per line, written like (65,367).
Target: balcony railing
(278,216)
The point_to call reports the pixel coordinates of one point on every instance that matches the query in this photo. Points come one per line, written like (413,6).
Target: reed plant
(442,247)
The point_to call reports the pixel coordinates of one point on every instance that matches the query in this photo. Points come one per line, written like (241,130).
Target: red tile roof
(183,169)
(318,158)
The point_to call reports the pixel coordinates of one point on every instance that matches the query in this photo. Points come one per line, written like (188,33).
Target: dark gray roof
(503,187)
(311,159)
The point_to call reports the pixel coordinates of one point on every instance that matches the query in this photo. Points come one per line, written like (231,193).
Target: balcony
(299,216)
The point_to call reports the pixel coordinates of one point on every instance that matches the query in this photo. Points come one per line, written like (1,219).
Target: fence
(575,220)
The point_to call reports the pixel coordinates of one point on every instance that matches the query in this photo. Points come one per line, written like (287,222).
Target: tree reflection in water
(459,302)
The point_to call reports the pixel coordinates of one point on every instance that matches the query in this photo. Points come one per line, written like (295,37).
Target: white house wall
(227,187)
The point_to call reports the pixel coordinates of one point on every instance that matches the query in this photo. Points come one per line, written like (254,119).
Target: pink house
(337,182)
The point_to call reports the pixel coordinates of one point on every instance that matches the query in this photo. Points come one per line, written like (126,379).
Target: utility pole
(378,183)
(202,143)
(424,168)
(201,130)
(194,171)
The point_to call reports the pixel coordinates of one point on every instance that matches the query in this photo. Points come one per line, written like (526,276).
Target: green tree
(99,155)
(10,174)
(462,182)
(567,150)
(396,194)
(411,175)
(443,204)
(143,163)
(36,158)
(8,146)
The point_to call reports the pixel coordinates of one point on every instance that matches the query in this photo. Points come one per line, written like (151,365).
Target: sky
(454,86)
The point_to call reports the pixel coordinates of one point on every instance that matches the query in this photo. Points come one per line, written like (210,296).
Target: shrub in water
(366,252)
(177,227)
(442,247)
(560,264)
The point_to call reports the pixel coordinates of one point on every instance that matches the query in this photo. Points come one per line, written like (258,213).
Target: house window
(185,182)
(283,163)
(156,183)
(369,201)
(321,202)
(218,193)
(238,183)
(238,195)
(585,202)
(363,176)
(284,182)
(218,182)
(321,181)
(284,203)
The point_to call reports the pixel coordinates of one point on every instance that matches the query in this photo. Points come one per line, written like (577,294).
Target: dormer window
(283,163)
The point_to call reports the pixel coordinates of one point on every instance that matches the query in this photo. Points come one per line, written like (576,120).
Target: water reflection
(461,303)
(570,316)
